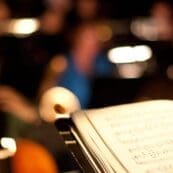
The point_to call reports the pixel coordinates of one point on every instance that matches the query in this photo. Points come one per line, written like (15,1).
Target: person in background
(53,18)
(161,14)
(86,11)
(23,63)
(38,49)
(84,61)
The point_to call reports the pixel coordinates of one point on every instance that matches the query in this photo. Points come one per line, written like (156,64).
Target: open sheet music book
(130,138)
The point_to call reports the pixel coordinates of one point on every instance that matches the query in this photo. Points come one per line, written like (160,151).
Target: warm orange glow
(105,33)
(32,157)
(58,64)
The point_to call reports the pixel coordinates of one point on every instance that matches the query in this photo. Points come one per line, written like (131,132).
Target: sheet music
(95,145)
(140,135)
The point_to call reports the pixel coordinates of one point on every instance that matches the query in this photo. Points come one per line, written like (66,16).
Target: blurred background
(107,52)
(32,33)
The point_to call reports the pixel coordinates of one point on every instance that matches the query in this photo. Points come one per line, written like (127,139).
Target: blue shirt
(79,83)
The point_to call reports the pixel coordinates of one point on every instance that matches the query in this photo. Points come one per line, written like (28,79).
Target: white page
(140,135)
(95,144)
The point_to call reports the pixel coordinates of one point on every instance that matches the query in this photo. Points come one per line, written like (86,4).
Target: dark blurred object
(155,88)
(26,8)
(112,91)
(86,11)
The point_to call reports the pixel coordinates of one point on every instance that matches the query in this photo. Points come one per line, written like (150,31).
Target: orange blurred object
(32,157)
